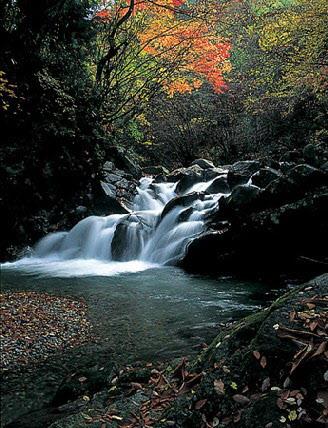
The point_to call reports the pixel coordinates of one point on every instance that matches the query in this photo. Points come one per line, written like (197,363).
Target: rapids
(147,237)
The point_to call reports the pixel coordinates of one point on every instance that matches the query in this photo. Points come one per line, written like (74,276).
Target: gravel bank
(36,325)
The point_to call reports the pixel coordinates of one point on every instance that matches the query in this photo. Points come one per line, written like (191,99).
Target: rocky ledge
(268,370)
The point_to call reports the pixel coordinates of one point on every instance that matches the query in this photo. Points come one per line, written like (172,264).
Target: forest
(163,83)
(164,194)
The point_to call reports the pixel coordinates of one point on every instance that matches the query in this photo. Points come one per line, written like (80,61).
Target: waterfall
(156,232)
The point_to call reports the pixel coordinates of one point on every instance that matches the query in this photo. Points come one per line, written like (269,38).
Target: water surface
(158,312)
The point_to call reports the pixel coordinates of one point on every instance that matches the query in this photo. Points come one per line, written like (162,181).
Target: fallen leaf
(219,386)
(263,362)
(257,355)
(241,399)
(200,403)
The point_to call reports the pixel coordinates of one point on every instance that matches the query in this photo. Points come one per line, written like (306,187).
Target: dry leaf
(219,387)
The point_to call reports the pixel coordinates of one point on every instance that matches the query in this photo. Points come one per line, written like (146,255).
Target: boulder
(182,201)
(316,154)
(155,170)
(191,176)
(219,185)
(264,176)
(294,184)
(203,163)
(211,173)
(106,201)
(241,172)
(241,198)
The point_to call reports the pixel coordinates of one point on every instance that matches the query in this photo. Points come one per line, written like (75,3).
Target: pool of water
(155,313)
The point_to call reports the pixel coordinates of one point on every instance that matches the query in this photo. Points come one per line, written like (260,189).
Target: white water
(120,243)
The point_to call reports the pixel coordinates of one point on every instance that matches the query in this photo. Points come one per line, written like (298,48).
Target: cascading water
(155,233)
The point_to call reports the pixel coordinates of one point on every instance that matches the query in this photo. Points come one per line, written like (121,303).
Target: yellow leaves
(6,91)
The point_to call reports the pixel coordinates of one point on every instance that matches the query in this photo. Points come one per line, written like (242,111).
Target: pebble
(36,325)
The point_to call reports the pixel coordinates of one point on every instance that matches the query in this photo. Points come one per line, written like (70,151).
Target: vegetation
(169,80)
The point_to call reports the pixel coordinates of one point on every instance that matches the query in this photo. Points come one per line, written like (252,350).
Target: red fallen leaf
(241,399)
(285,394)
(280,404)
(200,403)
(257,355)
(263,362)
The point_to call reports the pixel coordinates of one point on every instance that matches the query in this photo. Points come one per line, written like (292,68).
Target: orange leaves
(175,37)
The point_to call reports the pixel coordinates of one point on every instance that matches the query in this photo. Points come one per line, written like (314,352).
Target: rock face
(189,177)
(116,192)
(241,172)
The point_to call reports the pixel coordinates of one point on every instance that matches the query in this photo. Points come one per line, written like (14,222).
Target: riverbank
(246,368)
(269,370)
(35,326)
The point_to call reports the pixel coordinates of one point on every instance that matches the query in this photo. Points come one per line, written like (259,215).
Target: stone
(190,176)
(242,197)
(219,185)
(211,173)
(316,154)
(264,176)
(183,201)
(241,172)
(203,163)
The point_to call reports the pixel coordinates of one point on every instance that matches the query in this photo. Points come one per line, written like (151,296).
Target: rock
(191,176)
(203,163)
(81,209)
(292,156)
(177,174)
(241,198)
(155,170)
(269,241)
(264,176)
(160,179)
(211,173)
(131,229)
(113,178)
(219,185)
(316,154)
(183,201)
(285,167)
(294,184)
(241,172)
(106,202)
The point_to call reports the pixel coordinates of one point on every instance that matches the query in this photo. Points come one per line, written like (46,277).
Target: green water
(155,313)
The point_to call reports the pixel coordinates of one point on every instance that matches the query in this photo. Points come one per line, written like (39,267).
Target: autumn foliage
(184,45)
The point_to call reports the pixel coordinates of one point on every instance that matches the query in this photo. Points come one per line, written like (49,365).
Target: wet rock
(241,198)
(241,172)
(184,201)
(190,176)
(203,163)
(219,185)
(211,173)
(265,176)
